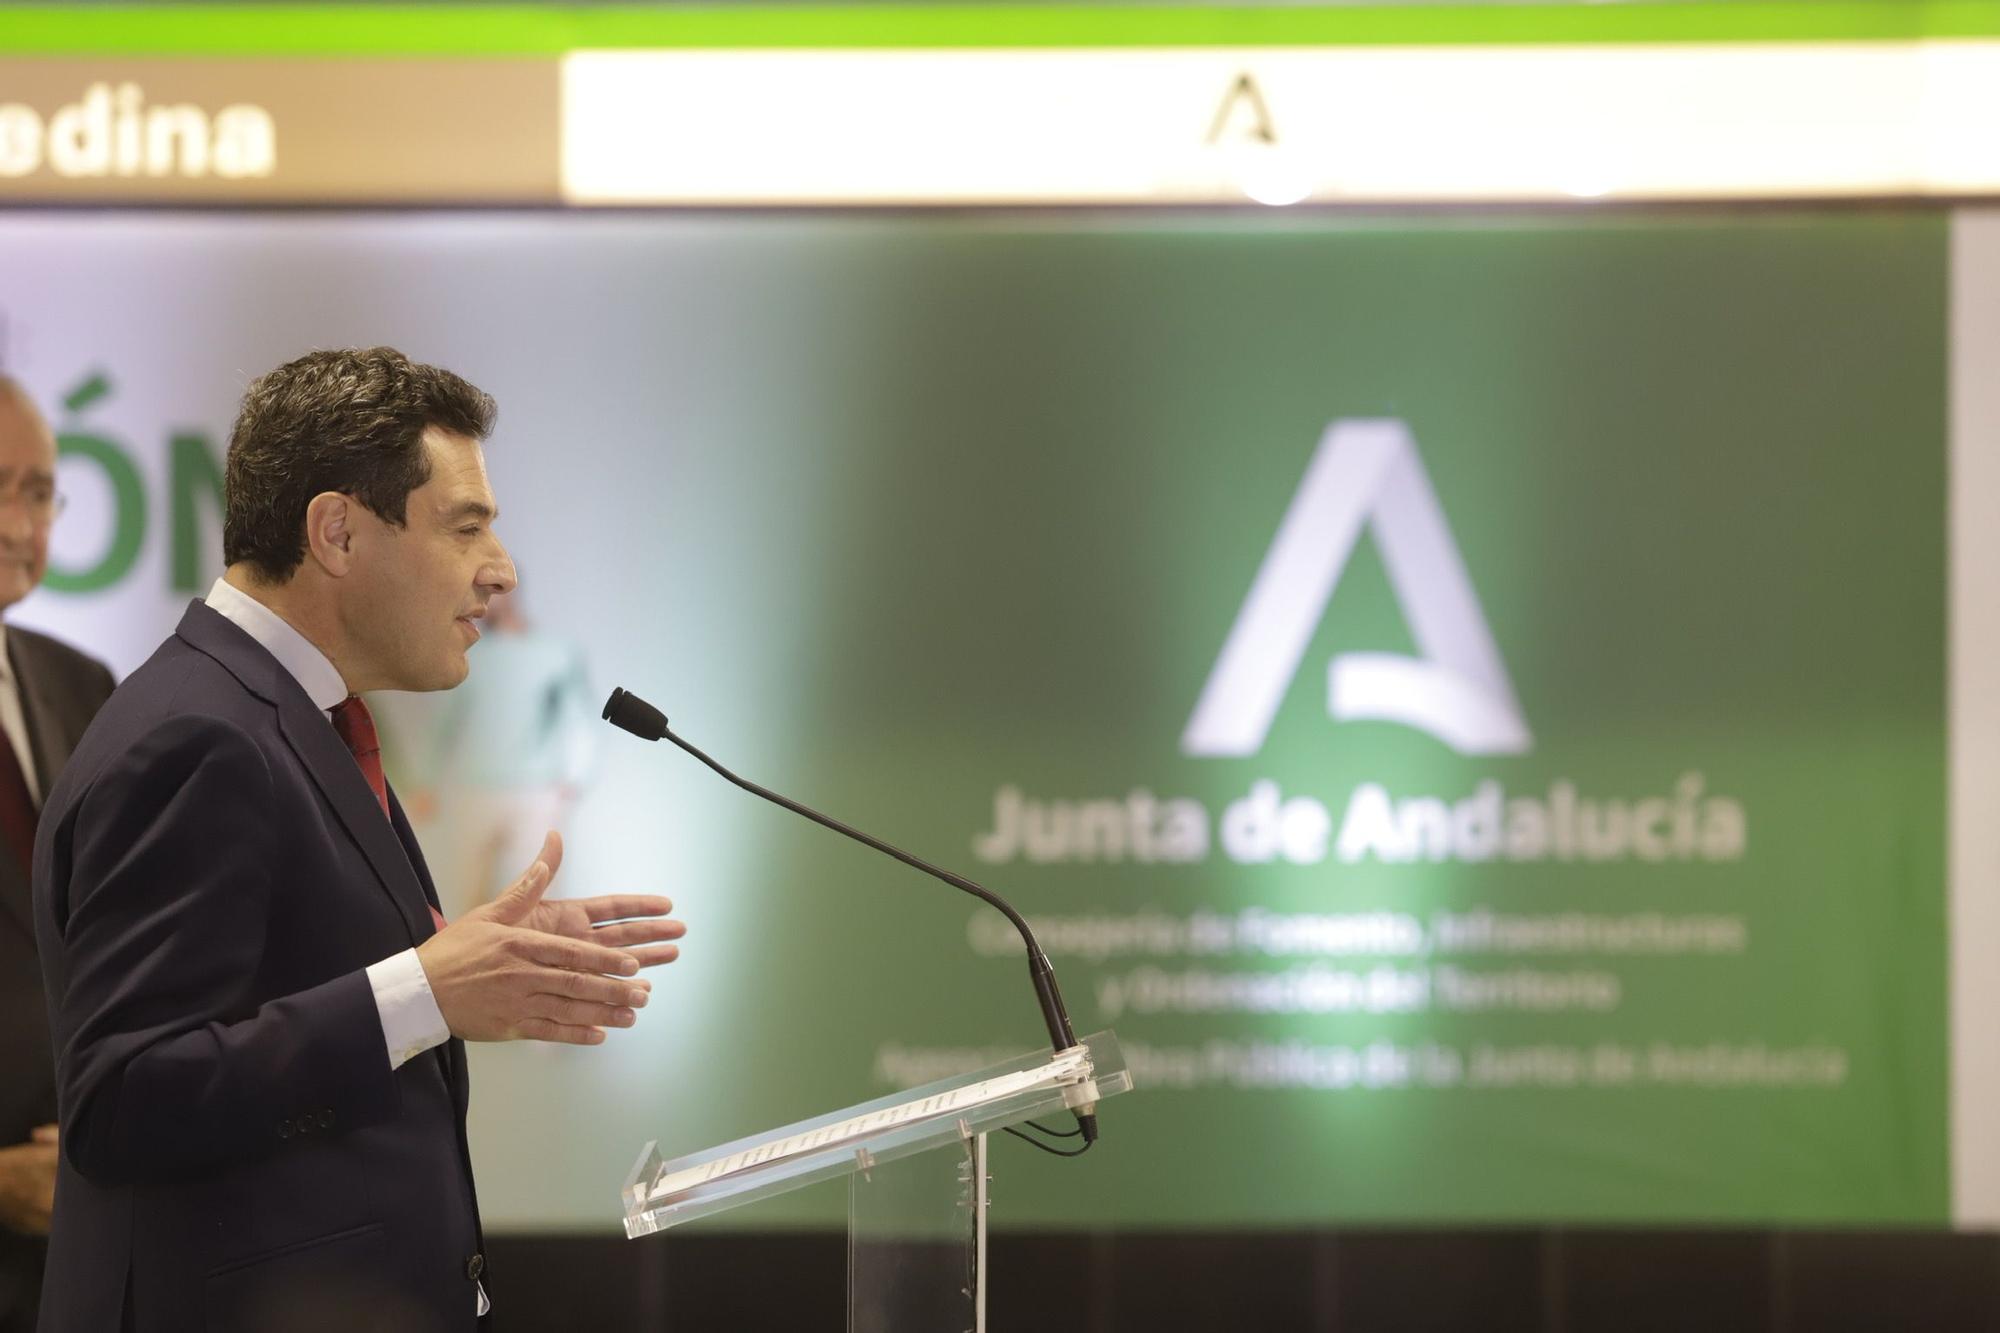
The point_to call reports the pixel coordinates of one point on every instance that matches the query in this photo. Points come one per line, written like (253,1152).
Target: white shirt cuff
(411,1021)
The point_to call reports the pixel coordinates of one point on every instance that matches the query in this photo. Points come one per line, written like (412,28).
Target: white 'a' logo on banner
(1365,472)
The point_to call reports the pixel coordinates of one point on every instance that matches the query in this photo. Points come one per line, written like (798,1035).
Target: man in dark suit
(48,694)
(258,1013)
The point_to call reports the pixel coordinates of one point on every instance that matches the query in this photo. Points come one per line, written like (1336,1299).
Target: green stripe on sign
(489,30)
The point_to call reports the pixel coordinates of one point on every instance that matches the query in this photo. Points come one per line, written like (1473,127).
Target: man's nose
(500,576)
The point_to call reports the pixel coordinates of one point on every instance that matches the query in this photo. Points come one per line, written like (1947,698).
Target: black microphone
(646,722)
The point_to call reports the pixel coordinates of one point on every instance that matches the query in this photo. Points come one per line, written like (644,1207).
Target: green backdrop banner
(1463,699)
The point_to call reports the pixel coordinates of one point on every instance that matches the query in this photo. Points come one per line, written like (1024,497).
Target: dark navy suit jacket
(212,877)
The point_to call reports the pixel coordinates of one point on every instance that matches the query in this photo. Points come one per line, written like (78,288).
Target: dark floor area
(1485,1281)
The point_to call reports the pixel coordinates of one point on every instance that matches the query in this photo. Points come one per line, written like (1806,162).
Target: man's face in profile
(423,586)
(27,496)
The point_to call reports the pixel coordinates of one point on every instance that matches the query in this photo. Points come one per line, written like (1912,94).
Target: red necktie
(356,728)
(17,807)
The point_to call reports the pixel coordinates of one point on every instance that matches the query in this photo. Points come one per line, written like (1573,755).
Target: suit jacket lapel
(16,894)
(320,750)
(16,891)
(49,740)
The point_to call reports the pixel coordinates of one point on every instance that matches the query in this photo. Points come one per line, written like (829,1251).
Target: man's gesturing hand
(497,978)
(635,922)
(28,1183)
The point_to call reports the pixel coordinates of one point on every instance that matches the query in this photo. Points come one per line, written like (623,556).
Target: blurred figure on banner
(48,694)
(259,1009)
(500,760)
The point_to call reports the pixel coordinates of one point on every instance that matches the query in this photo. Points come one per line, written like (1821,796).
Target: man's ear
(330,532)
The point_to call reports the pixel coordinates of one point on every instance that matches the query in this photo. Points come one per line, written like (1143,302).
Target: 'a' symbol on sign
(1365,473)
(1244,98)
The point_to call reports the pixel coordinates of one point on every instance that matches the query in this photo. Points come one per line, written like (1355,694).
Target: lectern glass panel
(916,1241)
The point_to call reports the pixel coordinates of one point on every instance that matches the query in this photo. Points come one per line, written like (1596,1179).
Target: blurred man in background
(48,694)
(503,760)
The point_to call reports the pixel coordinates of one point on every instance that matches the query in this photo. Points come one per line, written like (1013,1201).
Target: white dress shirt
(411,1022)
(15,722)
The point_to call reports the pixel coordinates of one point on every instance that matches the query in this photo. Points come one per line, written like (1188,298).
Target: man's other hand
(28,1183)
(498,976)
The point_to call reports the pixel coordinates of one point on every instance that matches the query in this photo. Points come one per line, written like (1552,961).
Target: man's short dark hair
(350,421)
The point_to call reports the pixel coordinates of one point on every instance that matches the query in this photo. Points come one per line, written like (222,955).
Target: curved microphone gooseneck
(633,714)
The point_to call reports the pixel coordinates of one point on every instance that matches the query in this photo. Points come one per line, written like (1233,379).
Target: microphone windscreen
(635,715)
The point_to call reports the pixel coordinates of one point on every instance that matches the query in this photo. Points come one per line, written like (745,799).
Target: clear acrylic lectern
(917,1193)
